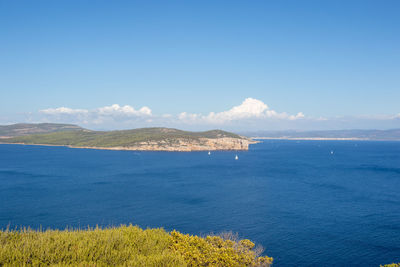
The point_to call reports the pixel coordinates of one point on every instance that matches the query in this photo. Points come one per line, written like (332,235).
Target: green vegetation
(21,129)
(391,265)
(124,246)
(85,138)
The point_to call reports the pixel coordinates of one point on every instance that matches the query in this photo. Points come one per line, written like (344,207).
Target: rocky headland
(144,139)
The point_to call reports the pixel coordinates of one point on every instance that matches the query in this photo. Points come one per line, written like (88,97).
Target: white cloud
(250,114)
(249,109)
(103,116)
(113,110)
(123,110)
(299,115)
(188,116)
(63,110)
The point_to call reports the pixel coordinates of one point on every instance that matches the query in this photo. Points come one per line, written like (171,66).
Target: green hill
(136,139)
(21,129)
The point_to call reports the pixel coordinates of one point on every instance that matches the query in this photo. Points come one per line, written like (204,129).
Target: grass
(85,138)
(124,246)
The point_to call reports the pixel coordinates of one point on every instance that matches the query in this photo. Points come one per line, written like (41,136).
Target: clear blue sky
(323,58)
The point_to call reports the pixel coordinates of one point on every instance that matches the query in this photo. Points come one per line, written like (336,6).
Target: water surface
(305,205)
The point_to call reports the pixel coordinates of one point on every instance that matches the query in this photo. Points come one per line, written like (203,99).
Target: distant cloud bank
(251,114)
(249,109)
(103,111)
(63,110)
(103,115)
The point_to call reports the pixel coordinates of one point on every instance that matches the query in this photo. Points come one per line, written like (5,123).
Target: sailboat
(236,157)
(209,153)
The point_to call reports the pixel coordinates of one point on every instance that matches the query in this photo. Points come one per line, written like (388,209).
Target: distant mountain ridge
(392,134)
(21,129)
(158,139)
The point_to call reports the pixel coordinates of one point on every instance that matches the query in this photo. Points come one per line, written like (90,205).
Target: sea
(308,203)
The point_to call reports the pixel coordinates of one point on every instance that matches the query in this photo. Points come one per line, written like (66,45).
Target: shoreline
(323,139)
(128,148)
(254,141)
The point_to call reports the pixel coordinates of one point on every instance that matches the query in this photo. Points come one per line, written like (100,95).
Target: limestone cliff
(201,144)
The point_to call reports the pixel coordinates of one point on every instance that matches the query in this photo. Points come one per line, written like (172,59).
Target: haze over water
(305,205)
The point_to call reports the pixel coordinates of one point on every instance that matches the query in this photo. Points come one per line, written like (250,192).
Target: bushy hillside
(86,138)
(21,129)
(124,246)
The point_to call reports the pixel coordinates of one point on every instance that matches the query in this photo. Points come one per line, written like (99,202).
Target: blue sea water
(305,205)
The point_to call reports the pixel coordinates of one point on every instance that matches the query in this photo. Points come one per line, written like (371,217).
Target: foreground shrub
(216,251)
(123,246)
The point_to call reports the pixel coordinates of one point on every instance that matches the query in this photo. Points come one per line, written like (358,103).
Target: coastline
(322,139)
(164,149)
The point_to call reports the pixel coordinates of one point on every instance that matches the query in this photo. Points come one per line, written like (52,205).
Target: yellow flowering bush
(216,251)
(123,246)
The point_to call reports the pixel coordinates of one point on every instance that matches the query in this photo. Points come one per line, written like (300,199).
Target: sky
(234,65)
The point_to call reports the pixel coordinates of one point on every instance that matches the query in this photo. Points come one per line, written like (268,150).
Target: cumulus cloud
(63,110)
(249,109)
(123,110)
(250,114)
(107,115)
(113,110)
